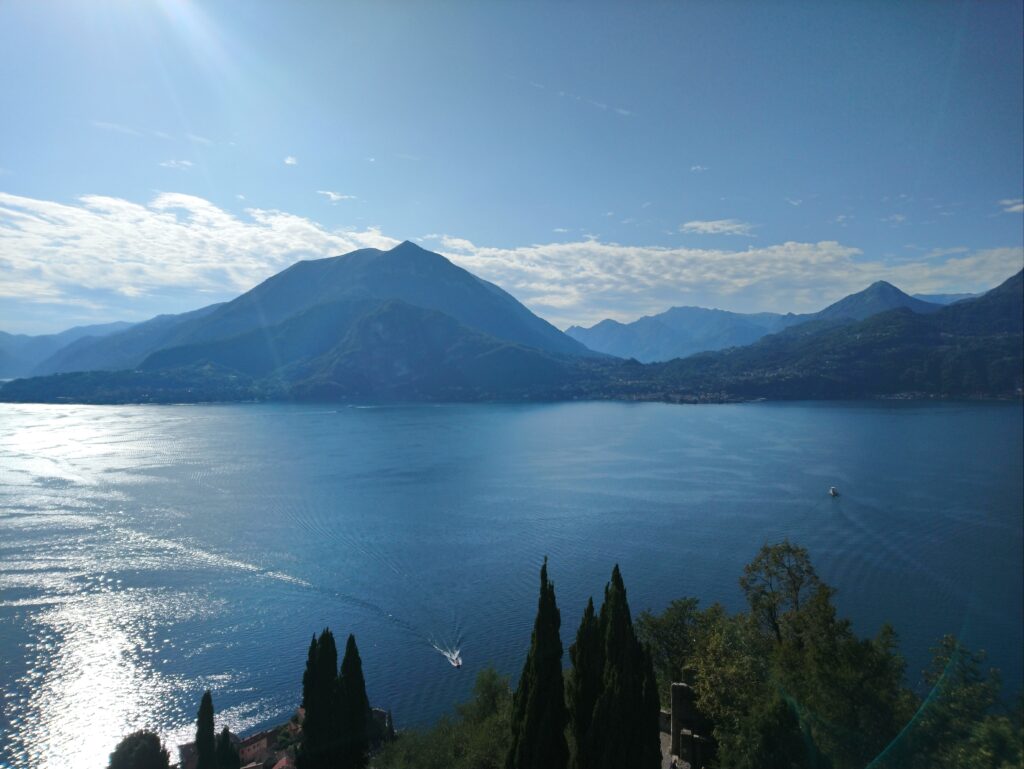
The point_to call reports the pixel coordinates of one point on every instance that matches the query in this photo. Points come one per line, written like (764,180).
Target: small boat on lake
(833,491)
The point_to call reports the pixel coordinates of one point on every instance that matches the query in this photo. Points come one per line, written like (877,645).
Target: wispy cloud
(716,227)
(104,125)
(291,160)
(181,165)
(99,246)
(894,219)
(698,169)
(111,252)
(334,197)
(1012,206)
(198,139)
(560,229)
(795,202)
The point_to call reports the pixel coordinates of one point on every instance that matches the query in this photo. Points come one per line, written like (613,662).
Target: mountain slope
(677,332)
(682,331)
(406,273)
(972,348)
(125,349)
(878,297)
(20,353)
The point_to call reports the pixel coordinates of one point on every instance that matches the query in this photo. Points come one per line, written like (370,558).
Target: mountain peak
(878,297)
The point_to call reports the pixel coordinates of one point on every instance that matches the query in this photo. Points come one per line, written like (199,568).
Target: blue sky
(596,161)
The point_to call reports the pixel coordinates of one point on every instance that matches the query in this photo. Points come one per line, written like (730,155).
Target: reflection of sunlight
(101,685)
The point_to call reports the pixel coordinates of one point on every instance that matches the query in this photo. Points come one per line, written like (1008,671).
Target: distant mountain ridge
(682,331)
(21,353)
(406,273)
(408,325)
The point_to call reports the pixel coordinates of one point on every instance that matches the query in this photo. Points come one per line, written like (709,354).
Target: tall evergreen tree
(587,657)
(353,710)
(319,736)
(227,755)
(538,708)
(206,750)
(624,729)
(308,677)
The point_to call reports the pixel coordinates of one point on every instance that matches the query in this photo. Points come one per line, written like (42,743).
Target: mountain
(124,349)
(969,349)
(403,324)
(21,353)
(878,297)
(406,273)
(944,298)
(682,331)
(677,332)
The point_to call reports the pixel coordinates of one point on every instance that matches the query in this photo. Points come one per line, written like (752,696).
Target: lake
(150,552)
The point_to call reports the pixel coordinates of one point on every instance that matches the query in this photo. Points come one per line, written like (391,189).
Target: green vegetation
(538,708)
(336,729)
(789,684)
(615,700)
(227,755)
(477,737)
(394,351)
(140,750)
(786,684)
(353,710)
(206,746)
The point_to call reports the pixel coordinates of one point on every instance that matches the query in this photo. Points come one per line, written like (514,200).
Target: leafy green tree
(584,685)
(777,582)
(206,749)
(478,738)
(538,708)
(140,750)
(624,729)
(353,710)
(319,736)
(672,638)
(227,755)
(959,723)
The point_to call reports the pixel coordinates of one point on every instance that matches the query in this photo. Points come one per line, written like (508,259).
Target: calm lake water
(147,552)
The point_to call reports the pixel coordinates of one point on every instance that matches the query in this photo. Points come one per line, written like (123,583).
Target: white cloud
(56,252)
(291,160)
(698,169)
(894,219)
(560,229)
(198,139)
(334,197)
(181,165)
(716,227)
(105,252)
(586,281)
(1012,206)
(794,201)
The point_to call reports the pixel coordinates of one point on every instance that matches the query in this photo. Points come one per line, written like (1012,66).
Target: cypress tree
(587,657)
(308,677)
(319,739)
(227,756)
(538,708)
(624,728)
(206,751)
(353,710)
